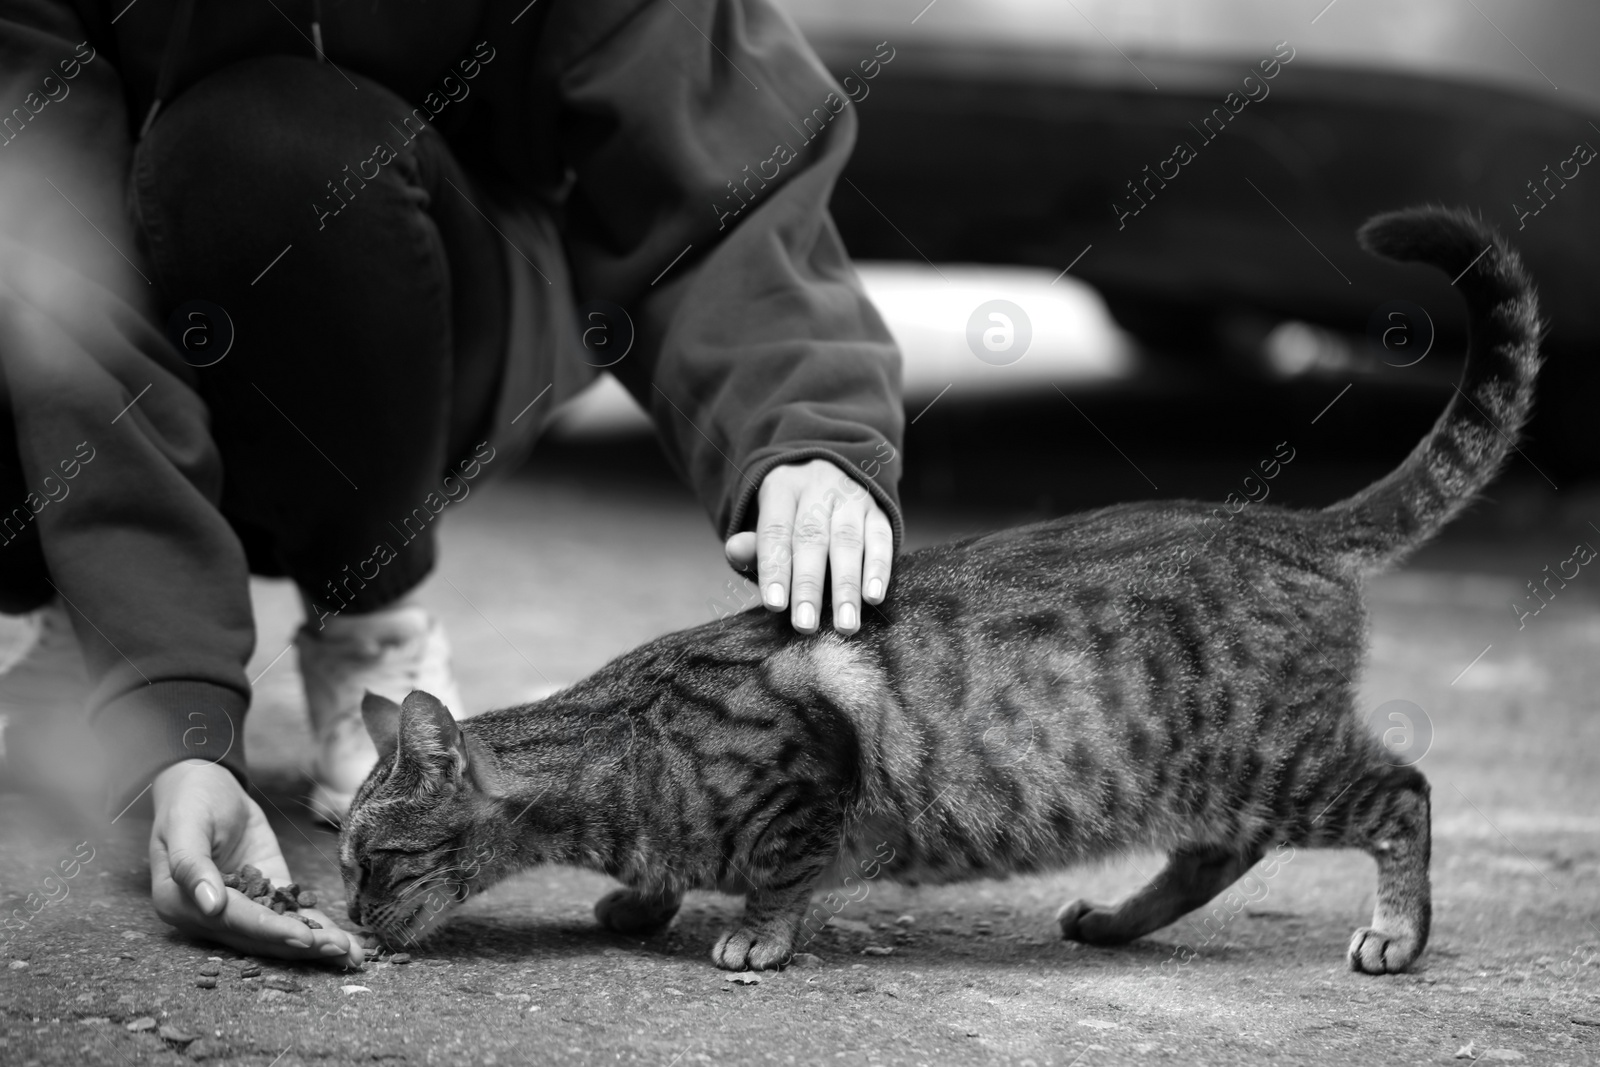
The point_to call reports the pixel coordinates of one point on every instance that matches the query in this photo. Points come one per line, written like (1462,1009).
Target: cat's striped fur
(1135,676)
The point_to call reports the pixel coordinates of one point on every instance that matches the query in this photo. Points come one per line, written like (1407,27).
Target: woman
(373,242)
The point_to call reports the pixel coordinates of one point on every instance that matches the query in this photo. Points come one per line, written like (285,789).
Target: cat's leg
(766,937)
(1394,828)
(1191,878)
(637,912)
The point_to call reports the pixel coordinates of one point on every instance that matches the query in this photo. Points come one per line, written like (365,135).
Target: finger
(846,530)
(187,849)
(330,942)
(259,931)
(774,536)
(267,932)
(740,550)
(243,922)
(245,918)
(812,529)
(178,865)
(879,556)
(335,944)
(352,958)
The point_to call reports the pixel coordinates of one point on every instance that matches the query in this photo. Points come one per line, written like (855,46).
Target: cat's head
(419,838)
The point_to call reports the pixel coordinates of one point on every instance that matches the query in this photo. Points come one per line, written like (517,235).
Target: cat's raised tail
(1479,427)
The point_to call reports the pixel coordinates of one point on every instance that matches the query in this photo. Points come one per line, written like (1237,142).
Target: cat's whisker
(458,889)
(470,866)
(335,820)
(444,873)
(420,888)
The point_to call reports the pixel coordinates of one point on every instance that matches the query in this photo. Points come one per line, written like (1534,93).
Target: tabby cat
(1137,676)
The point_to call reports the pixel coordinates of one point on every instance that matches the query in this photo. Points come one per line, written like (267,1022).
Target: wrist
(169,724)
(179,768)
(175,774)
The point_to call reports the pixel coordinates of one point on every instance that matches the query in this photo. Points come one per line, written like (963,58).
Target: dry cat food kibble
(283,899)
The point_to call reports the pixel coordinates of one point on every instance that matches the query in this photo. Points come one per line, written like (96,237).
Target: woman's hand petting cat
(812,521)
(204,818)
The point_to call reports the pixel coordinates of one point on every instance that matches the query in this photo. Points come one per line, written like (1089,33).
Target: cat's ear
(382,717)
(429,736)
(430,739)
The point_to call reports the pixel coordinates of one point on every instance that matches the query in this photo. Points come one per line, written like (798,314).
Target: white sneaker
(44,690)
(389,652)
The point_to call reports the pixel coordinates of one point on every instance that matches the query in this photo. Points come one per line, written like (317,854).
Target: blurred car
(1026,133)
(1031,151)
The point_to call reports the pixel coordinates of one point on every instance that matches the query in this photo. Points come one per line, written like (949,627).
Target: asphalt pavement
(545,577)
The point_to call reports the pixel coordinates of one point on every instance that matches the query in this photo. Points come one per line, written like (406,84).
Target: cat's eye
(392,853)
(438,846)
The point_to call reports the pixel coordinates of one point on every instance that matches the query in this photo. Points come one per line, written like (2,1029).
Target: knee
(255,128)
(250,150)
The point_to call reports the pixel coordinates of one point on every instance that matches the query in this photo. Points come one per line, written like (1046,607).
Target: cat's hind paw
(752,948)
(1374,952)
(627,911)
(1092,924)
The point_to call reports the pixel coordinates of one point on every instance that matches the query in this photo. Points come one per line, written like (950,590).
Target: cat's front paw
(627,911)
(760,948)
(1089,923)
(1374,952)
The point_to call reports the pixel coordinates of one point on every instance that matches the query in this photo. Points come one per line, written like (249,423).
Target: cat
(1138,676)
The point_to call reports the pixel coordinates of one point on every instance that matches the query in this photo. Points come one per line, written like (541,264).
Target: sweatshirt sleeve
(113,442)
(704,139)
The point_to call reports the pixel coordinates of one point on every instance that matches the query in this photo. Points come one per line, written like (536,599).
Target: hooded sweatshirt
(683,152)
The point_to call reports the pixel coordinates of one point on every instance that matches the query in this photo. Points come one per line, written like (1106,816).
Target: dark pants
(366,359)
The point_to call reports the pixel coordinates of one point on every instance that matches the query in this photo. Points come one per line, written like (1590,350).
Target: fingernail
(775,595)
(332,949)
(206,897)
(297,942)
(875,588)
(805,617)
(847,616)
